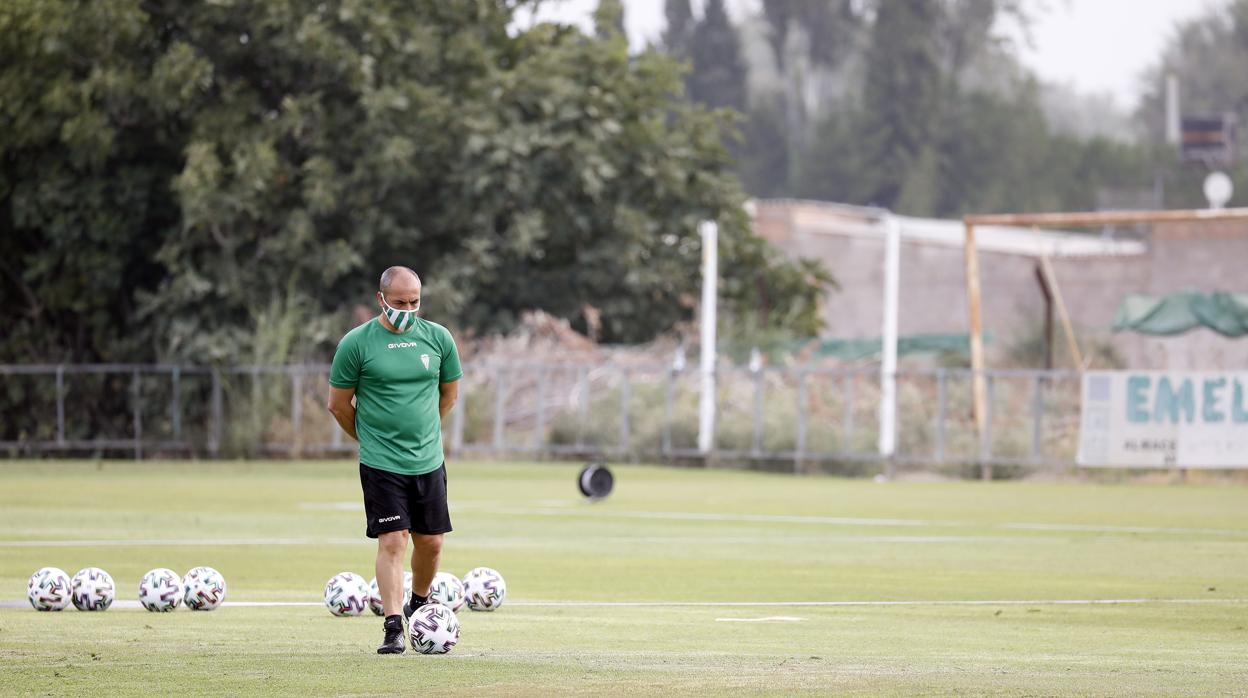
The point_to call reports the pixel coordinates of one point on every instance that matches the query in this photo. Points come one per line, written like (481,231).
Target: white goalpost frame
(709,230)
(887,443)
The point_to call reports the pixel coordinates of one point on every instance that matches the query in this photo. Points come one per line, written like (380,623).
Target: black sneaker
(394,642)
(415,602)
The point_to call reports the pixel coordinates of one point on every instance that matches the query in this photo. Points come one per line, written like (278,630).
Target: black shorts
(415,503)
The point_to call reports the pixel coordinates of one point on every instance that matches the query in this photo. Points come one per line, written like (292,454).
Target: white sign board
(1164,419)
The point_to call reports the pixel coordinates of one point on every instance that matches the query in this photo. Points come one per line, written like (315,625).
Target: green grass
(665,535)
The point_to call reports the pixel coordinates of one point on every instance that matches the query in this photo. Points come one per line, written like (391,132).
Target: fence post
(757,441)
(626,389)
(668,399)
(259,415)
(60,404)
(175,401)
(583,422)
(942,398)
(214,430)
(539,434)
(847,398)
(1037,416)
(985,445)
(457,423)
(500,398)
(296,411)
(137,412)
(800,451)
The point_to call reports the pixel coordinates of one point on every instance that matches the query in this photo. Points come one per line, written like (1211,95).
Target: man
(403,372)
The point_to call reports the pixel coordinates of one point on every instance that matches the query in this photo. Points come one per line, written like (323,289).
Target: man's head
(399,290)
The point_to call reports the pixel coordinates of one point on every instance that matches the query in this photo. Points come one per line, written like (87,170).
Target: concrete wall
(1206,256)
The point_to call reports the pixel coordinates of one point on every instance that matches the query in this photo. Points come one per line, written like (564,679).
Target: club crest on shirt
(424,359)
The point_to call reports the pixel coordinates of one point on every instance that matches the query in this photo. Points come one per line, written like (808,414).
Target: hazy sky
(1096,45)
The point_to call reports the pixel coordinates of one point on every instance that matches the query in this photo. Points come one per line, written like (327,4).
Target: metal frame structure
(1038,220)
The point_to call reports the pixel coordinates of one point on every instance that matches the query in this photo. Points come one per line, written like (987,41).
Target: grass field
(657,590)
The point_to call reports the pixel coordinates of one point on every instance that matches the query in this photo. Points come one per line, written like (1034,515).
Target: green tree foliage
(718,76)
(902,99)
(764,158)
(221,181)
(679,30)
(920,107)
(86,162)
(830,27)
(609,19)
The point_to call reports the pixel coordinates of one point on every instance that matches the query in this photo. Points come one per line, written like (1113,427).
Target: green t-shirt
(396,377)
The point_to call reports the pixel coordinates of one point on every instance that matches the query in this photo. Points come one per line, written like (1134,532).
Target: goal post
(1048,220)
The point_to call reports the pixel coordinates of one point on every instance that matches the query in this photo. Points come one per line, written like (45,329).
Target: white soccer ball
(160,590)
(434,629)
(203,589)
(374,597)
(347,594)
(93,589)
(484,589)
(447,590)
(49,589)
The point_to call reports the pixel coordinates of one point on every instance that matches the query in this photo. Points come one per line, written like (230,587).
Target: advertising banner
(1164,419)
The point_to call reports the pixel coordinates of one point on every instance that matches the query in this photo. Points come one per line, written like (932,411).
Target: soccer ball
(203,589)
(484,589)
(93,589)
(49,589)
(160,590)
(434,629)
(346,594)
(447,590)
(374,597)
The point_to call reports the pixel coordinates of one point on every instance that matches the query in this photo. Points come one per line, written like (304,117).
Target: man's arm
(343,409)
(448,393)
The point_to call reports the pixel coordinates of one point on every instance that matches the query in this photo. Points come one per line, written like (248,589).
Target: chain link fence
(794,419)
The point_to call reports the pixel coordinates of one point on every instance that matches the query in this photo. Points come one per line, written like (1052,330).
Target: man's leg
(430,518)
(426,554)
(389,568)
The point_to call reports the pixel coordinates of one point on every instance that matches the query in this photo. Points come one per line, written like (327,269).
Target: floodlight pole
(709,231)
(888,363)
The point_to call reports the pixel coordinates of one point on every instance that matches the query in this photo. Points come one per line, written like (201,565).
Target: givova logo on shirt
(402,345)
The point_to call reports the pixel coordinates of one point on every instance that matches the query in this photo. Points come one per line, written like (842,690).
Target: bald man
(403,373)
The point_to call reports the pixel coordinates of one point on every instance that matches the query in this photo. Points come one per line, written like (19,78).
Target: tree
(902,94)
(830,27)
(679,30)
(718,76)
(86,162)
(609,19)
(208,182)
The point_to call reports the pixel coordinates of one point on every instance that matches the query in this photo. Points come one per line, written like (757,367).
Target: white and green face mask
(401,319)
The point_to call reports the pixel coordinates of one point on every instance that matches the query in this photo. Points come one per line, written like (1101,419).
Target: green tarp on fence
(1176,313)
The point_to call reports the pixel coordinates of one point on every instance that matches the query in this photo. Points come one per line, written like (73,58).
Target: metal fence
(797,419)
